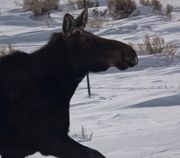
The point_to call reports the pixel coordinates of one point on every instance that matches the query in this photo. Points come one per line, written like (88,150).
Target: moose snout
(132,60)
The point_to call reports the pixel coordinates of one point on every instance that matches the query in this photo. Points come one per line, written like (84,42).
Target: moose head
(89,52)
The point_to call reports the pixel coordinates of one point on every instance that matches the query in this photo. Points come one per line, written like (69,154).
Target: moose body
(35,90)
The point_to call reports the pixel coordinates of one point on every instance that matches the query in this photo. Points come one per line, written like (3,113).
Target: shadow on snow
(159,102)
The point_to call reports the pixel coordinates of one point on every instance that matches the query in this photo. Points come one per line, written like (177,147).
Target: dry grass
(40,7)
(155,45)
(98,12)
(171,49)
(84,134)
(158,6)
(2,52)
(96,22)
(80,4)
(155,3)
(7,50)
(145,2)
(169,9)
(121,9)
(98,19)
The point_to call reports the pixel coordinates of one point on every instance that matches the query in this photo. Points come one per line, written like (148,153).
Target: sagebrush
(80,4)
(96,22)
(155,45)
(121,8)
(96,12)
(168,10)
(7,50)
(156,4)
(145,2)
(40,7)
(98,19)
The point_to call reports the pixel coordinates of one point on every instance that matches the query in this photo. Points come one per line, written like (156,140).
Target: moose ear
(81,20)
(68,23)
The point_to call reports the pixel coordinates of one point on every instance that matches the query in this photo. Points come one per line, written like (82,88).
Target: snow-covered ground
(131,114)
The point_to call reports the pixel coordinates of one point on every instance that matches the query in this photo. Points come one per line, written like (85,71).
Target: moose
(36,88)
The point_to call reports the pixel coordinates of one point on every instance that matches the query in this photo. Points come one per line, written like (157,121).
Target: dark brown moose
(36,88)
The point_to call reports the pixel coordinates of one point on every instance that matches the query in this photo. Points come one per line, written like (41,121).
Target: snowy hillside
(131,114)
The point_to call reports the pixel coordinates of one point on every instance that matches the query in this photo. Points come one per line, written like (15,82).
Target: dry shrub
(40,7)
(171,49)
(84,134)
(154,45)
(3,52)
(96,22)
(121,9)
(145,2)
(80,4)
(98,19)
(157,4)
(168,9)
(98,12)
(7,50)
(157,45)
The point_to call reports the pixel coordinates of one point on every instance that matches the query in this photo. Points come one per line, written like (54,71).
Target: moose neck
(53,62)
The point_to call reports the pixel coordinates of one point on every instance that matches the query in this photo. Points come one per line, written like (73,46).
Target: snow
(131,114)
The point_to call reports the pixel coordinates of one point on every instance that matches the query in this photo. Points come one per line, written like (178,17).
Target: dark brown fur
(35,90)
